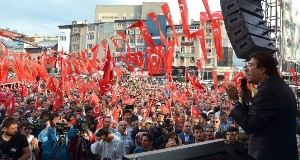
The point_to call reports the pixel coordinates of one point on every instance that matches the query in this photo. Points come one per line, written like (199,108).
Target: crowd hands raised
(135,116)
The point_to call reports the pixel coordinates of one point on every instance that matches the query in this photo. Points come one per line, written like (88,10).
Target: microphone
(243,87)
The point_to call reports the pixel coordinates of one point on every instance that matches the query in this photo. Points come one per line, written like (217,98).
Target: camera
(62,128)
(81,124)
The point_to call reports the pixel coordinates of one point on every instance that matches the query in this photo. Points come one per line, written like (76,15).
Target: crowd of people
(137,115)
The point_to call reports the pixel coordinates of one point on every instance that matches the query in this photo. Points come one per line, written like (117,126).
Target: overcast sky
(43,17)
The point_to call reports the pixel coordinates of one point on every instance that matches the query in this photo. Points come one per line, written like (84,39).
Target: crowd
(137,115)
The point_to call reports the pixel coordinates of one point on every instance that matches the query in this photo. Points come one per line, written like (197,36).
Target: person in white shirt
(108,146)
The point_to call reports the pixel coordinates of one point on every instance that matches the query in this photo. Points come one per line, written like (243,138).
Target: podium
(208,150)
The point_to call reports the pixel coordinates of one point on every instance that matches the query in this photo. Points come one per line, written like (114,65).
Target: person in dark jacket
(269,116)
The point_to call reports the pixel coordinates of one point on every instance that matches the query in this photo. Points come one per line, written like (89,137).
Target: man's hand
(232,91)
(245,94)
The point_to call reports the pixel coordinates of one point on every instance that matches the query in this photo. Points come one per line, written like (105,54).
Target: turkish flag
(215,15)
(216,28)
(58,102)
(18,61)
(94,99)
(115,114)
(293,73)
(226,77)
(154,62)
(108,74)
(136,58)
(123,36)
(169,57)
(237,79)
(177,95)
(114,96)
(199,65)
(10,105)
(165,109)
(206,6)
(112,38)
(195,112)
(5,65)
(184,18)
(201,37)
(42,72)
(51,85)
(196,83)
(122,58)
(215,78)
(167,13)
(105,86)
(152,15)
(145,33)
(214,97)
(128,101)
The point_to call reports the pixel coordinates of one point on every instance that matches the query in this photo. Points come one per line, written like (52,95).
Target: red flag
(42,72)
(124,38)
(5,65)
(196,83)
(51,85)
(105,86)
(169,57)
(112,38)
(215,16)
(108,74)
(195,112)
(216,27)
(215,78)
(18,61)
(152,15)
(115,114)
(199,65)
(136,58)
(184,18)
(58,102)
(293,73)
(165,109)
(154,62)
(226,77)
(10,105)
(145,33)
(114,96)
(167,13)
(206,6)
(129,101)
(201,37)
(238,78)
(94,99)
(214,97)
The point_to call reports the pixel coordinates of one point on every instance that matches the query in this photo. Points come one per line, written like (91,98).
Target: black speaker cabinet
(244,47)
(209,150)
(253,7)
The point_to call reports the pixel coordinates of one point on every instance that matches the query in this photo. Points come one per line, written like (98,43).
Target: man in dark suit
(187,134)
(269,116)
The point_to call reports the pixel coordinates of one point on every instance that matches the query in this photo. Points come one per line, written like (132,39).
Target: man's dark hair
(150,136)
(265,60)
(204,116)
(25,124)
(126,111)
(73,102)
(88,108)
(9,121)
(197,127)
(29,101)
(233,129)
(102,132)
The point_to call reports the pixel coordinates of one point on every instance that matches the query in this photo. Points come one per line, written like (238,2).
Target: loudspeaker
(208,150)
(245,27)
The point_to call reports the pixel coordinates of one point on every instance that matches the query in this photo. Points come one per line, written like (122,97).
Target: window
(75,46)
(208,31)
(182,38)
(192,49)
(91,28)
(91,37)
(140,40)
(121,24)
(75,38)
(131,41)
(182,49)
(76,29)
(89,46)
(208,42)
(181,60)
(132,49)
(124,18)
(208,52)
(169,38)
(90,55)
(192,60)
(62,38)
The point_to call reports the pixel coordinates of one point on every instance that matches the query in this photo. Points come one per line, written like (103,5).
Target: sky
(41,17)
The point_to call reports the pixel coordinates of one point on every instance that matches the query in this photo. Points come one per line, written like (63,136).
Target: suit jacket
(270,121)
(182,137)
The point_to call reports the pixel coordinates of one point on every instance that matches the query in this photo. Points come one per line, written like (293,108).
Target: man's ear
(263,70)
